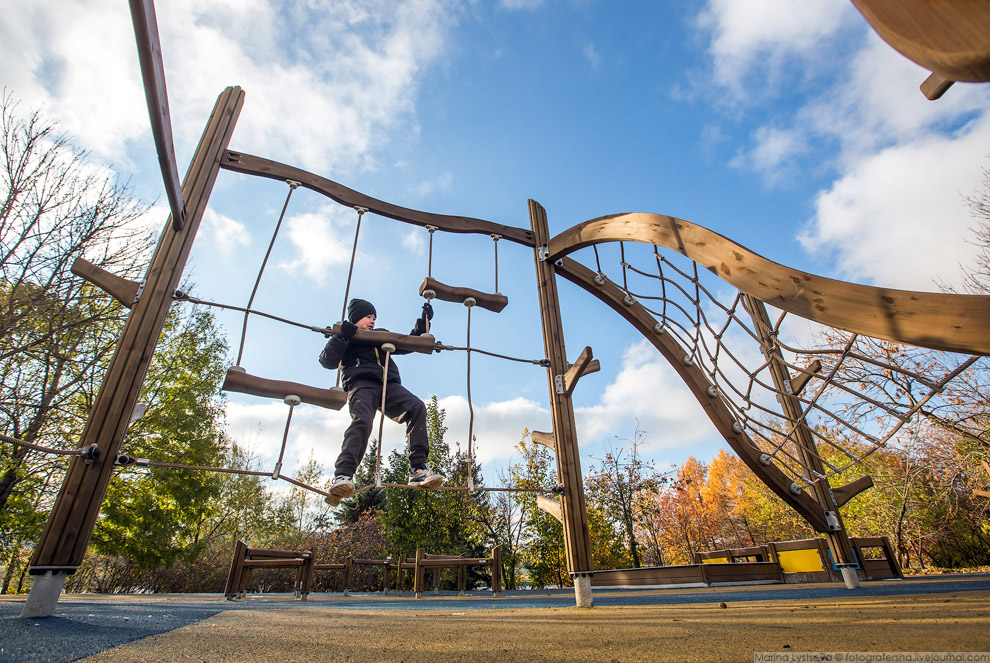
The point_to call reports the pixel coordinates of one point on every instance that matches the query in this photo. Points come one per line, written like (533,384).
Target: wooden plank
(236,569)
(845,493)
(252,165)
(696,381)
(69,527)
(273,563)
(935,86)
(955,323)
(424,343)
(744,572)
(551,506)
(799,381)
(545,439)
(576,370)
(153,74)
(446,293)
(948,37)
(577,537)
(123,290)
(245,383)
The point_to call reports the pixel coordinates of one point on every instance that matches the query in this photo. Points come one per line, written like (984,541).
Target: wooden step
(424,343)
(446,293)
(240,381)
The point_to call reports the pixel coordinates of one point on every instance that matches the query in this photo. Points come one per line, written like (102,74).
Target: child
(361,372)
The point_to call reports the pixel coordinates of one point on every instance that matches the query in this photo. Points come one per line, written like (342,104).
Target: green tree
(156,517)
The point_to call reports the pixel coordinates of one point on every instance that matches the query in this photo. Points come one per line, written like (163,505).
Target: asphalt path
(86,624)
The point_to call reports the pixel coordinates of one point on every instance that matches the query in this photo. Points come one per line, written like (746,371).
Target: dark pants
(401,405)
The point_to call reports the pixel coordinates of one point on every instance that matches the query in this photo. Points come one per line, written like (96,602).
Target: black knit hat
(358,308)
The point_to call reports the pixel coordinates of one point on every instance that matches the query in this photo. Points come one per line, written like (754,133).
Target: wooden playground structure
(771,433)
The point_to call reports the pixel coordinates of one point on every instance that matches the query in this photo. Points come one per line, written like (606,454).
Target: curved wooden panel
(447,293)
(948,37)
(956,323)
(696,381)
(252,165)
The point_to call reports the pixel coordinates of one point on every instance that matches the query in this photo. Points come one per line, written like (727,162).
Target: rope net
(849,394)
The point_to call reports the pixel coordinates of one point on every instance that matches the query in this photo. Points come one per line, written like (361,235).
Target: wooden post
(577,539)
(70,524)
(837,538)
(418,575)
(348,569)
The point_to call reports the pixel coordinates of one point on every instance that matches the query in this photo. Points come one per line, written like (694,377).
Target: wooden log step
(446,293)
(239,380)
(424,343)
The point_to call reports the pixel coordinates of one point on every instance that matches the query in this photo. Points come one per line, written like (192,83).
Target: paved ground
(932,613)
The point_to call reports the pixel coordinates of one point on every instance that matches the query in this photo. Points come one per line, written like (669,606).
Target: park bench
(246,559)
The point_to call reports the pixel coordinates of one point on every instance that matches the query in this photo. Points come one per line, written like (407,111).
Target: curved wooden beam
(955,323)
(948,37)
(698,383)
(252,165)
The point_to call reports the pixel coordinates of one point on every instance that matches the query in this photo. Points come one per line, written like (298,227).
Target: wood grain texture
(948,37)
(239,162)
(955,323)
(493,302)
(424,343)
(245,383)
(123,290)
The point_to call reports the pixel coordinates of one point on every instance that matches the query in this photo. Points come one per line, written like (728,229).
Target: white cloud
(441,183)
(591,55)
(893,214)
(646,388)
(321,239)
(225,234)
(774,150)
(324,88)
(498,426)
(767,33)
(897,217)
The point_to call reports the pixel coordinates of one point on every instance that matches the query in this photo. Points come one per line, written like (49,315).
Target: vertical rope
(470,302)
(240,349)
(277,472)
(429,261)
(350,271)
(495,238)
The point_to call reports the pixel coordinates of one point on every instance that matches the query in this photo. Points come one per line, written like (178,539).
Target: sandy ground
(956,622)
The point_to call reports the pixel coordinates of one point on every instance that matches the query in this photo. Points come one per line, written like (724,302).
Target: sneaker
(341,488)
(423,477)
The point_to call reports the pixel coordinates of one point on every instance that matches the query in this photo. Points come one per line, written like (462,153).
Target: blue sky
(788,127)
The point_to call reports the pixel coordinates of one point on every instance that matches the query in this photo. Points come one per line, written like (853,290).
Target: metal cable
(254,291)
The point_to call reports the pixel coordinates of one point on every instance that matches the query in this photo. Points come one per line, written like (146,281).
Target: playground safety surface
(949,613)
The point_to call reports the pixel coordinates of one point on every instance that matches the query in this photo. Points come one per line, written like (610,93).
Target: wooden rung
(551,506)
(935,86)
(801,379)
(546,439)
(239,380)
(123,290)
(845,493)
(577,369)
(445,293)
(424,343)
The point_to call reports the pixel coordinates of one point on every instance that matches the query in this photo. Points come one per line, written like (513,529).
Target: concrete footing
(851,577)
(582,591)
(45,591)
